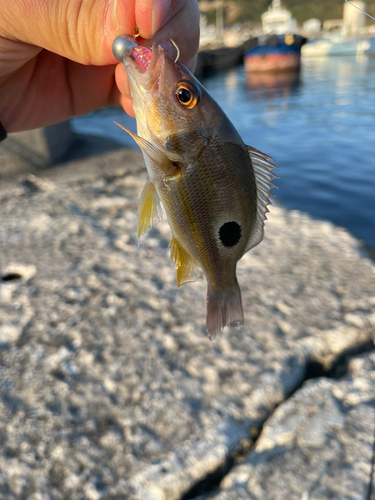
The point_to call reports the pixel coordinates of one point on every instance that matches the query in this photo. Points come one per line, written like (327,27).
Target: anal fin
(187,269)
(149,211)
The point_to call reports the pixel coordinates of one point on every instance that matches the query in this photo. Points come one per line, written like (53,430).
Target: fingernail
(160,13)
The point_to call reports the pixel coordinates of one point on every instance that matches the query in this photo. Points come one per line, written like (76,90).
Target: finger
(127,104)
(192,64)
(80,30)
(151,15)
(164,19)
(182,27)
(122,81)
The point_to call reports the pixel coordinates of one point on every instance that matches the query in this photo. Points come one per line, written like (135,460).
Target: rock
(320,443)
(109,385)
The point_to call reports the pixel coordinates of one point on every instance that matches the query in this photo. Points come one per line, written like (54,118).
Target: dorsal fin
(149,210)
(187,269)
(263,176)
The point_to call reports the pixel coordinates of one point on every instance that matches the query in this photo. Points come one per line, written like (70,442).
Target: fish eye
(188,94)
(230,234)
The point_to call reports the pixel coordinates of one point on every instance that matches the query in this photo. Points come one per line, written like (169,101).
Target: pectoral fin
(263,175)
(156,157)
(187,269)
(149,211)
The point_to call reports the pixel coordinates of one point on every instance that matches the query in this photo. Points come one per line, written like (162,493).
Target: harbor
(279,41)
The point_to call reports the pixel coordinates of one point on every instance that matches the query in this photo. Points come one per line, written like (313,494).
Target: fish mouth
(145,65)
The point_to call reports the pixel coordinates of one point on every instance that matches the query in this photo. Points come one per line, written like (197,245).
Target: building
(354,20)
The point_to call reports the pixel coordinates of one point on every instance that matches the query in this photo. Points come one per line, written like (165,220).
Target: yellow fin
(149,211)
(187,269)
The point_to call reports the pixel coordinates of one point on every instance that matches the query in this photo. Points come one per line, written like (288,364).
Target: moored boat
(278,48)
(275,53)
(334,46)
(211,61)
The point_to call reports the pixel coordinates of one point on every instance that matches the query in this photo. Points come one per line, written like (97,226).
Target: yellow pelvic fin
(187,269)
(149,211)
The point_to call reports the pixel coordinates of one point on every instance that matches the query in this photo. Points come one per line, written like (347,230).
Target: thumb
(80,30)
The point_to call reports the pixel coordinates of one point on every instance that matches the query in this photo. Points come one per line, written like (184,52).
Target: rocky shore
(109,386)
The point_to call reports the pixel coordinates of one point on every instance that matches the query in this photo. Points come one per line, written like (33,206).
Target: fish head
(172,108)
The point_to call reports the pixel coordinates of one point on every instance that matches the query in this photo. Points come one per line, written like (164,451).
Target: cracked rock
(317,445)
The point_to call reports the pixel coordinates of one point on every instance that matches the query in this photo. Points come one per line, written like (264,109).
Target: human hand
(56,56)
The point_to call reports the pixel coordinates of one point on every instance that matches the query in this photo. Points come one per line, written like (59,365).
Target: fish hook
(136,32)
(178,50)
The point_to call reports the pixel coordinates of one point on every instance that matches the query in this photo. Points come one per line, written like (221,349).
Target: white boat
(333,46)
(367,46)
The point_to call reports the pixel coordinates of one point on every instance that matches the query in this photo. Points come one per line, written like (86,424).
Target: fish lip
(151,76)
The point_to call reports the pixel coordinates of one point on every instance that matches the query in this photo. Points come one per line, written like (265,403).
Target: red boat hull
(272,62)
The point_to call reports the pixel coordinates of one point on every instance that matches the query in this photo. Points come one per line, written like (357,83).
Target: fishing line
(352,4)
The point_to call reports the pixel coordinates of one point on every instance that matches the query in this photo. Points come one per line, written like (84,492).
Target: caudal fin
(224,308)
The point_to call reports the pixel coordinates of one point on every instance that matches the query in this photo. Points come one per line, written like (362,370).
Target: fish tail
(224,308)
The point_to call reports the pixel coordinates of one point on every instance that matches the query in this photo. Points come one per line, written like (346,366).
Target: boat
(215,52)
(211,61)
(278,48)
(275,53)
(336,45)
(368,46)
(348,37)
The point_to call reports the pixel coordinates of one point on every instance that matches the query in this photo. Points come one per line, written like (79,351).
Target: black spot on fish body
(230,234)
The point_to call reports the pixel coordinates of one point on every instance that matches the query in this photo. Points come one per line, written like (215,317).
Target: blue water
(319,127)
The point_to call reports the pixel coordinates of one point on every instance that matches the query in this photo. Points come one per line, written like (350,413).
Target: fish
(214,189)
